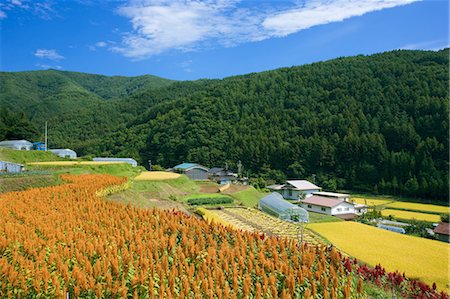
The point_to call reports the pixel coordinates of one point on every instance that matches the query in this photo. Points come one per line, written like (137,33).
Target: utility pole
(46,145)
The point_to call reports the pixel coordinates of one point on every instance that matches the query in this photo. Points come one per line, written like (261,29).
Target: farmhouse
(130,161)
(193,170)
(10,167)
(442,231)
(222,176)
(275,205)
(17,144)
(64,153)
(330,206)
(295,189)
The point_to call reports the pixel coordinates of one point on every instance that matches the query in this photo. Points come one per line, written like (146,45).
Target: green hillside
(23,157)
(374,123)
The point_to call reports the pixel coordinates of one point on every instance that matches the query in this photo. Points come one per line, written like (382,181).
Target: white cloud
(47,66)
(163,25)
(324,12)
(42,8)
(183,25)
(427,45)
(48,54)
(100,44)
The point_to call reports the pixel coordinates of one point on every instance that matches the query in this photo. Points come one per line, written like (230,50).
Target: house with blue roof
(194,171)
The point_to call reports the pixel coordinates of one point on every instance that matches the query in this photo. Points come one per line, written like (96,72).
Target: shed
(17,144)
(193,170)
(10,167)
(442,231)
(275,205)
(64,153)
(130,161)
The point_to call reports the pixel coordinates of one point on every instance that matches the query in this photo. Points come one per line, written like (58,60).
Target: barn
(275,205)
(130,161)
(17,144)
(64,153)
(194,171)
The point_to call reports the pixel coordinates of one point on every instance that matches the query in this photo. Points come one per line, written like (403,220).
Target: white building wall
(317,209)
(343,208)
(294,194)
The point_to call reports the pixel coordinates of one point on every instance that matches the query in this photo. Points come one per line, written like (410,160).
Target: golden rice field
(156,176)
(411,215)
(71,163)
(419,258)
(419,207)
(371,201)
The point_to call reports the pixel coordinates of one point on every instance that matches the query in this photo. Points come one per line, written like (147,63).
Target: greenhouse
(275,205)
(17,144)
(130,161)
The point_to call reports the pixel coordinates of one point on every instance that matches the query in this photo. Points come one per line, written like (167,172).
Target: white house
(295,189)
(330,206)
(64,153)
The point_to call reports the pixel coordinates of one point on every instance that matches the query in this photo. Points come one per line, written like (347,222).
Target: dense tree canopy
(376,123)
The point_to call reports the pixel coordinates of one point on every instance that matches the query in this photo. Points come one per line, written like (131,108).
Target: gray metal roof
(303,185)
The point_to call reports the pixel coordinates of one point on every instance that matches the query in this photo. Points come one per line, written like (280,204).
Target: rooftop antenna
(45,136)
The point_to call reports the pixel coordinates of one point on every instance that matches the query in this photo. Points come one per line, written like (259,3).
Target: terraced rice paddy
(371,201)
(419,207)
(72,163)
(267,224)
(411,215)
(156,176)
(233,221)
(417,257)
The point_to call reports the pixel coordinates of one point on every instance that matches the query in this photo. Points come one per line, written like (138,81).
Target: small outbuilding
(130,161)
(10,167)
(442,231)
(64,153)
(194,171)
(275,205)
(23,145)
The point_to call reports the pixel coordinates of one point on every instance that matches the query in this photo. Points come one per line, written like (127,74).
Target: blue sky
(187,40)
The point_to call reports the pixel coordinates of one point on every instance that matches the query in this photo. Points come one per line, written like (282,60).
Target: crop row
(65,239)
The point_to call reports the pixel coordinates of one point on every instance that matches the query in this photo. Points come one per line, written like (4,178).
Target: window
(309,206)
(339,209)
(290,192)
(347,209)
(323,209)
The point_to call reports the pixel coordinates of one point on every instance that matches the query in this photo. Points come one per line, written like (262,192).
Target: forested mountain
(377,123)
